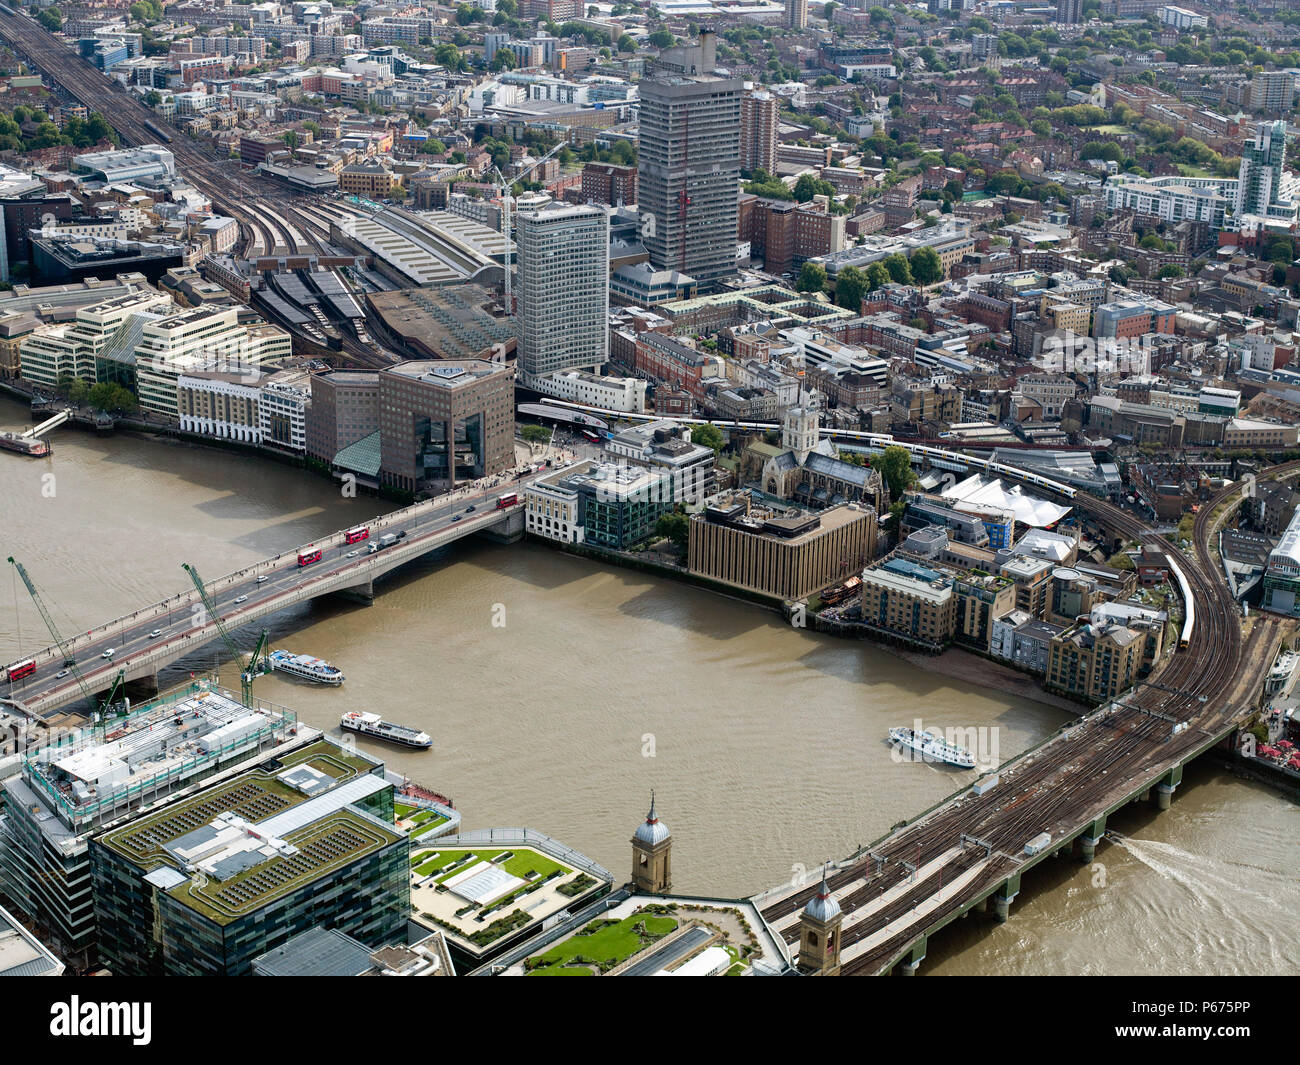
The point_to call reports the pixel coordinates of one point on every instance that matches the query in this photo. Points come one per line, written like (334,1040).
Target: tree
(850,287)
(535,434)
(675,527)
(51,18)
(1172,270)
(449,56)
(895,468)
(114,399)
(626,44)
(708,435)
(926,266)
(877,275)
(812,278)
(809,186)
(900,271)
(503,59)
(661,38)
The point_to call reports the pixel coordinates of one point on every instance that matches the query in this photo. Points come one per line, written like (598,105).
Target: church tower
(819,933)
(652,867)
(799,432)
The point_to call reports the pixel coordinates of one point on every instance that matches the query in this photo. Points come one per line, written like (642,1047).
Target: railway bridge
(971,851)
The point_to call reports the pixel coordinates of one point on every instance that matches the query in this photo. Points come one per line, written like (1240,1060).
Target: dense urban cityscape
(864,436)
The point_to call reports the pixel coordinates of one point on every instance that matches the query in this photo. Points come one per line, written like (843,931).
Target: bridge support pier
(1090,838)
(915,958)
(359,593)
(1165,789)
(1003,897)
(511,531)
(145,687)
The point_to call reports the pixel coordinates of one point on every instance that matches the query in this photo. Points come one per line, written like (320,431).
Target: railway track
(209,171)
(1076,777)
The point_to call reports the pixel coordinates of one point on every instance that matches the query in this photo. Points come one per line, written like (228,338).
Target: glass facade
(148,931)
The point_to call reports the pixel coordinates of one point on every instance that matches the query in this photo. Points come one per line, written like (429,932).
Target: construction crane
(247,671)
(69,659)
(506,201)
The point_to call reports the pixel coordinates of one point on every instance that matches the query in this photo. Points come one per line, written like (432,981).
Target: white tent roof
(1030,510)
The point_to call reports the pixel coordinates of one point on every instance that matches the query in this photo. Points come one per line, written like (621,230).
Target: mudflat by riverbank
(963,665)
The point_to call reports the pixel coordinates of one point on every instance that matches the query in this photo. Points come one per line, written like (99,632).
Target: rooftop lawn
(329,759)
(523,862)
(602,943)
(429,825)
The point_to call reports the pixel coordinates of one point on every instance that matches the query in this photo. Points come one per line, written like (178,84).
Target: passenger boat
(24,445)
(306,667)
(373,725)
(932,748)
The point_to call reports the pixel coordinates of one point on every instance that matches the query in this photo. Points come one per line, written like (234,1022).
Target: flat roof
(256,836)
(21,953)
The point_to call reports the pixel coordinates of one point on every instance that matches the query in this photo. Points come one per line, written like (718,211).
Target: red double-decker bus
(507,500)
(308,555)
(355,536)
(21,669)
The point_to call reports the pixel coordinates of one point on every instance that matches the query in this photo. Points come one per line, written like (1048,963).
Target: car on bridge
(155,634)
(456,517)
(261,578)
(61,674)
(241,599)
(109,653)
(470,509)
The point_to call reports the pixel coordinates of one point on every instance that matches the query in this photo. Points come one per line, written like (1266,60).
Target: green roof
(323,847)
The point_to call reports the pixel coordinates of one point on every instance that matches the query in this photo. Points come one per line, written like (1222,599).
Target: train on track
(1189,603)
(935,456)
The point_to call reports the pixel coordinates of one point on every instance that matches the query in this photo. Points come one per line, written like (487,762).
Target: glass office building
(207,883)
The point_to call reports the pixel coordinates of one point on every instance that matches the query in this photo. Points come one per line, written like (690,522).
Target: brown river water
(559,691)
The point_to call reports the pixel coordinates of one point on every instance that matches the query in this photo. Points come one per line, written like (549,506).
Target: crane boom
(247,670)
(506,200)
(69,659)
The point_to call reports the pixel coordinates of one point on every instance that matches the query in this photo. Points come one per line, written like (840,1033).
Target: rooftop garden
(601,945)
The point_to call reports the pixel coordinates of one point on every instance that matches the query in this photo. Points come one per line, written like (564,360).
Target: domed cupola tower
(652,869)
(819,933)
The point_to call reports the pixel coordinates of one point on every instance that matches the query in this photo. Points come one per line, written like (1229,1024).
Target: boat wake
(1209,880)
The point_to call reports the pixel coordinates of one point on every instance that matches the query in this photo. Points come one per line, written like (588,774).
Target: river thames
(559,691)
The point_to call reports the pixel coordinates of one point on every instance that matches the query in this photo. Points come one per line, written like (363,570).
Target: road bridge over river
(154,636)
